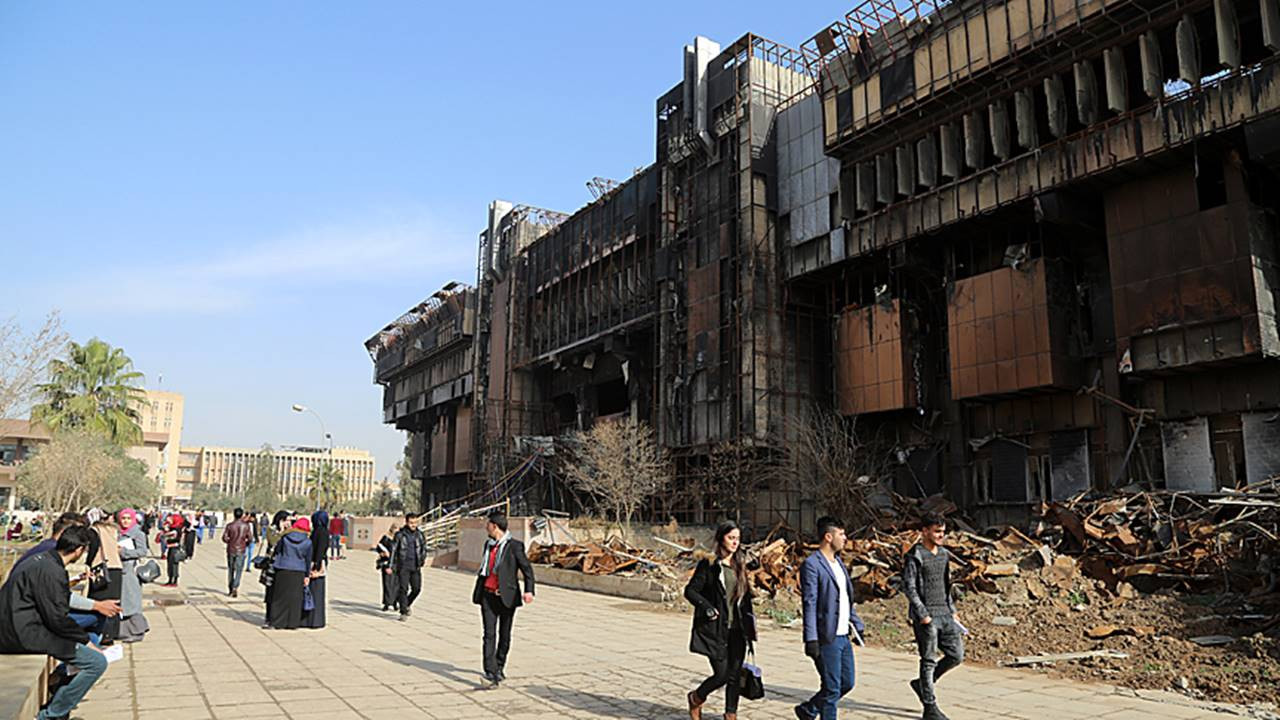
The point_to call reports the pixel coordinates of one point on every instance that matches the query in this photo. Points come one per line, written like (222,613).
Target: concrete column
(998,120)
(1024,108)
(884,178)
(1152,65)
(1188,43)
(1271,24)
(1228,30)
(864,180)
(906,166)
(1117,83)
(975,141)
(1056,99)
(951,151)
(1086,92)
(927,161)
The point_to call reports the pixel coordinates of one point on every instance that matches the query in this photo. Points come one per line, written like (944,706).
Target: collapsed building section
(424,361)
(1060,208)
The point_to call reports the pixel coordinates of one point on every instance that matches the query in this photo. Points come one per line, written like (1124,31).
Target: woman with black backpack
(724,620)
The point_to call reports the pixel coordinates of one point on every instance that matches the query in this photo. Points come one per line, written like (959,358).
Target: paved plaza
(574,655)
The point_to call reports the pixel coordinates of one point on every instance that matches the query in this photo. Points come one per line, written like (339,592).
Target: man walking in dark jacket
(926,581)
(237,535)
(498,594)
(34,619)
(831,622)
(408,555)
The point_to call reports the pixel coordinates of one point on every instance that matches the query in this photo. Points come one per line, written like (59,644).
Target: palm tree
(96,389)
(326,486)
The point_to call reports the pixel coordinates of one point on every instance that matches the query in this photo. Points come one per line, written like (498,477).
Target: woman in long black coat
(315,617)
(723,620)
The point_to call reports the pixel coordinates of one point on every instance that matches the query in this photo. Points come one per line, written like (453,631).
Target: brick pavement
(574,655)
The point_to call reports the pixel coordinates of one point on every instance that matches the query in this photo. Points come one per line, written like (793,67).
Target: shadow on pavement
(795,696)
(592,703)
(347,606)
(444,670)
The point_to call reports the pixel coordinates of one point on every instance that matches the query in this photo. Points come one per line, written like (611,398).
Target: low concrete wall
(615,585)
(366,531)
(472,536)
(23,683)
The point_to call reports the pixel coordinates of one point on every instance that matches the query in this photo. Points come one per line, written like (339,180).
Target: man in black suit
(498,593)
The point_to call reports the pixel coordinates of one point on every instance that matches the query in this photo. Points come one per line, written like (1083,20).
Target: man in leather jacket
(408,555)
(237,535)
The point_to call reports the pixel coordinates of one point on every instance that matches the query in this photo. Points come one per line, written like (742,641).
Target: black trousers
(725,671)
(410,586)
(497,632)
(390,589)
(172,564)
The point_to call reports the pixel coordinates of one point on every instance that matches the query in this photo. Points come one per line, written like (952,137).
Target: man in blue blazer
(831,622)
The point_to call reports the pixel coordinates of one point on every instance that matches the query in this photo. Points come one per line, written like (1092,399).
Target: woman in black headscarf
(315,617)
(279,526)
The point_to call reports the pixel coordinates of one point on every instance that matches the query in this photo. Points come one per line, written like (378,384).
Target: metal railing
(441,528)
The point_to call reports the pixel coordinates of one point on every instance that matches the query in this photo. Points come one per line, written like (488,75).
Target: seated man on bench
(35,619)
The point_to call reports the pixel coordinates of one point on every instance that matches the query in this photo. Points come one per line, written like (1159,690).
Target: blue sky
(240,193)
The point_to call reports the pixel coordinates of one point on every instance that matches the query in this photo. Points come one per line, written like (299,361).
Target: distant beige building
(160,414)
(228,469)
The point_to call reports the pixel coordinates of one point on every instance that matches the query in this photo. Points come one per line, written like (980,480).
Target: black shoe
(801,714)
(915,687)
(386,608)
(492,679)
(501,676)
(931,712)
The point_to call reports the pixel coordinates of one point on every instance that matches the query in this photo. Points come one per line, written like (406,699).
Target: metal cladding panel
(1261,445)
(1008,471)
(1188,458)
(1005,336)
(1069,472)
(1176,267)
(873,359)
(462,445)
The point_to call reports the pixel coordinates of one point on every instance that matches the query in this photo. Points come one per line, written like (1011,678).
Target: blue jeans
(235,570)
(91,621)
(249,550)
(91,664)
(835,667)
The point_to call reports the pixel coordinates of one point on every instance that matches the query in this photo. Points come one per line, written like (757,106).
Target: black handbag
(751,680)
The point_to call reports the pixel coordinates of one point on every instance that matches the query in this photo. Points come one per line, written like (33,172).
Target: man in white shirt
(831,622)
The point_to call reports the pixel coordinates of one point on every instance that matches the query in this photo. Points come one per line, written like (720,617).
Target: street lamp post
(328,438)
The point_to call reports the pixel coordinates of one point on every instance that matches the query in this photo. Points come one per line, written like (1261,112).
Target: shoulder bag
(751,680)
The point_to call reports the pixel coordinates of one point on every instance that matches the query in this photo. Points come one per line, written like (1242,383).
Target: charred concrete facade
(1032,242)
(425,362)
(1057,224)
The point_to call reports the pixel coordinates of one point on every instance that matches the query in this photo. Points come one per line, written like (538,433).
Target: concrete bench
(24,681)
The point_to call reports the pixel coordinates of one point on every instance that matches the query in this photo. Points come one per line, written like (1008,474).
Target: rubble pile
(1229,542)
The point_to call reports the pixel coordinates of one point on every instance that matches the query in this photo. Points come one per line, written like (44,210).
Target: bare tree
(620,464)
(79,468)
(728,480)
(24,357)
(830,461)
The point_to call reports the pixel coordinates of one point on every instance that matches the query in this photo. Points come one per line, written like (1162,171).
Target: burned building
(424,361)
(1030,245)
(1055,251)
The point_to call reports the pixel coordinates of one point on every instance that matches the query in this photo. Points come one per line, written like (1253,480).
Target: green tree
(410,487)
(94,388)
(127,485)
(326,486)
(260,492)
(298,503)
(209,497)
